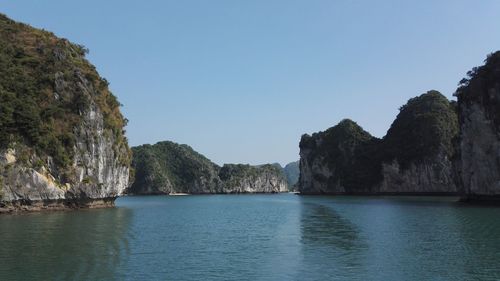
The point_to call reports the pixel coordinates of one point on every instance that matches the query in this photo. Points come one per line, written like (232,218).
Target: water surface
(256,237)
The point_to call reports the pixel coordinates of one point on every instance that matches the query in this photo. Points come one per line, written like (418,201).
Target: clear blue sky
(241,81)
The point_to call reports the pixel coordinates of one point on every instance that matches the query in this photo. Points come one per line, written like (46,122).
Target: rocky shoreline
(26,206)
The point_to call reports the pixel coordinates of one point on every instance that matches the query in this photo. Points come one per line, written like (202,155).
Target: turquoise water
(256,237)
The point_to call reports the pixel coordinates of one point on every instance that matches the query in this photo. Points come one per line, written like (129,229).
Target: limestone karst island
(217,140)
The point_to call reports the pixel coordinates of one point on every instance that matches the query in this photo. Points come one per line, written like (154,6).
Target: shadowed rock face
(62,142)
(414,157)
(167,167)
(418,148)
(479,112)
(329,160)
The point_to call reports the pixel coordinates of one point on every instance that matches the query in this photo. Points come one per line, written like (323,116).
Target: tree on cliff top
(349,151)
(476,87)
(425,125)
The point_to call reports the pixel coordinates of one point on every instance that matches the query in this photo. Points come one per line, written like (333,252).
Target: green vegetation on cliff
(168,167)
(349,159)
(478,164)
(347,150)
(426,125)
(337,142)
(232,174)
(40,101)
(476,88)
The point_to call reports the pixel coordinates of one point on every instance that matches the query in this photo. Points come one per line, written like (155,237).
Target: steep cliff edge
(414,157)
(479,113)
(330,160)
(418,148)
(62,142)
(167,167)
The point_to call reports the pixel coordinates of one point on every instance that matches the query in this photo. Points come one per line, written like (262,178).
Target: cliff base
(55,205)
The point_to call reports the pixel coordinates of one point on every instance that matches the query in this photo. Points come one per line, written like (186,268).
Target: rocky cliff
(478,97)
(167,167)
(414,157)
(239,178)
(418,148)
(292,173)
(329,160)
(62,142)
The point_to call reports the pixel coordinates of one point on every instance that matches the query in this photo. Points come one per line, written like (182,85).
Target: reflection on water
(331,244)
(256,237)
(478,233)
(79,245)
(323,226)
(398,238)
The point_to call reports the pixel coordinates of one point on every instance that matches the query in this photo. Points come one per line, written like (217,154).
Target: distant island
(292,173)
(169,168)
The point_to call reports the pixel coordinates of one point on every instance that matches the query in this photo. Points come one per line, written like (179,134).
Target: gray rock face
(430,177)
(413,158)
(167,167)
(21,183)
(314,175)
(97,163)
(479,113)
(479,164)
(62,138)
(264,183)
(252,179)
(328,162)
(99,175)
(480,153)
